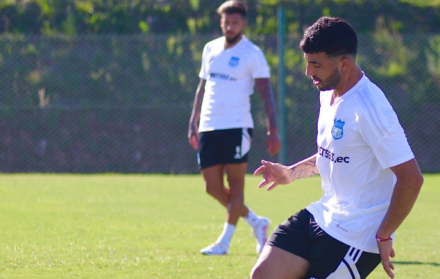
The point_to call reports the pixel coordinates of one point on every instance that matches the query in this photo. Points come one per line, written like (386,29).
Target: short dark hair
(331,35)
(232,7)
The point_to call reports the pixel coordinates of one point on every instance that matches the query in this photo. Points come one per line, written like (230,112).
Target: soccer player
(231,67)
(370,177)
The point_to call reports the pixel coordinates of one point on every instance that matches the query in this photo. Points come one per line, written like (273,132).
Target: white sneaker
(215,249)
(260,233)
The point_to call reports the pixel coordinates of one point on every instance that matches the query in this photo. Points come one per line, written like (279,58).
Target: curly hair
(331,35)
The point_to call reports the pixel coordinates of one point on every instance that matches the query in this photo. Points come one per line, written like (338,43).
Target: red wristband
(378,238)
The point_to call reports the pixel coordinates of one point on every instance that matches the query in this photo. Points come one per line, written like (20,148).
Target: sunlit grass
(153,226)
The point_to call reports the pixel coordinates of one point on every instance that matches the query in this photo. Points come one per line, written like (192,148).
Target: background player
(231,67)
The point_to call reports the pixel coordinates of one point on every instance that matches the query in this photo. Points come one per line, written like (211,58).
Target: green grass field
(153,226)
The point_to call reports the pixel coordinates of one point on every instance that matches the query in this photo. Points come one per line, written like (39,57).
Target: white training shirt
(359,139)
(229,75)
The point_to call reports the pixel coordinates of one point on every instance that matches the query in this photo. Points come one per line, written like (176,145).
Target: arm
(406,190)
(276,174)
(265,91)
(193,134)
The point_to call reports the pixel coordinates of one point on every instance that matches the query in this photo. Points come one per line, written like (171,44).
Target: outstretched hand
(274,174)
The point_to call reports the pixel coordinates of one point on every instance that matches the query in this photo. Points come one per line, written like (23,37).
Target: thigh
(332,259)
(293,235)
(236,144)
(213,177)
(235,174)
(279,264)
(209,153)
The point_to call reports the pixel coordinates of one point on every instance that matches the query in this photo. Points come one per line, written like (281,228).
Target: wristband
(378,238)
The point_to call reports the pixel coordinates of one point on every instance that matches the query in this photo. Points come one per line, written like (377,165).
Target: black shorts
(328,257)
(222,147)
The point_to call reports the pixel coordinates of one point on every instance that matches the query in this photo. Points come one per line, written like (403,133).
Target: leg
(236,208)
(288,250)
(215,187)
(276,263)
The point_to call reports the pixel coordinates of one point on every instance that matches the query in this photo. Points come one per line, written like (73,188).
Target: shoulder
(375,107)
(251,47)
(214,43)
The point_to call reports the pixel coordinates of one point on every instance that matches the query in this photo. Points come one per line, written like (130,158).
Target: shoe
(260,233)
(215,249)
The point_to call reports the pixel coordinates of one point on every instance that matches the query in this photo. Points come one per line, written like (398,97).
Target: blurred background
(92,86)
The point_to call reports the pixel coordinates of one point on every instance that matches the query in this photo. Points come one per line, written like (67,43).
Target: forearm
(402,201)
(265,92)
(304,168)
(197,106)
(406,191)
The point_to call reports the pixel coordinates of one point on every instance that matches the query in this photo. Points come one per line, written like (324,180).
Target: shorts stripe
(347,268)
(245,142)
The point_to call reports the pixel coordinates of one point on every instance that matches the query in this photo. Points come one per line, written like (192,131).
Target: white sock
(251,219)
(228,232)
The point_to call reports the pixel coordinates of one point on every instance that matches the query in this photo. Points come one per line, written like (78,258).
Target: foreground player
(231,66)
(370,177)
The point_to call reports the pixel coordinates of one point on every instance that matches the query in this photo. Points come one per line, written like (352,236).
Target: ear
(344,64)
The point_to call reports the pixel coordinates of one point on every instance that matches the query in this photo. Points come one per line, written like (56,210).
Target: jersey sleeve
(203,74)
(258,65)
(381,130)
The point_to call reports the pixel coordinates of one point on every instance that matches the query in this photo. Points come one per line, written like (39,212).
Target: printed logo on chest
(234,61)
(338,129)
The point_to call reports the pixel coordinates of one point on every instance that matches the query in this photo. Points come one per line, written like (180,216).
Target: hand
(274,174)
(273,143)
(194,141)
(193,136)
(386,251)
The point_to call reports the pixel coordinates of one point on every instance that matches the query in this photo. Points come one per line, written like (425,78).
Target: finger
(266,180)
(392,254)
(260,170)
(194,143)
(387,267)
(270,149)
(273,149)
(263,183)
(273,185)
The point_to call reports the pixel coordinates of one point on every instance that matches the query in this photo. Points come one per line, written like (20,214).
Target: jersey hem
(342,239)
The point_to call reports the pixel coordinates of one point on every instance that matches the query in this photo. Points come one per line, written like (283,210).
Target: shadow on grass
(414,263)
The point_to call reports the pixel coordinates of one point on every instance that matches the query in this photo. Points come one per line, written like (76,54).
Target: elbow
(420,180)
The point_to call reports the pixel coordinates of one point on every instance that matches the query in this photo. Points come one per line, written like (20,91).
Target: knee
(212,191)
(257,272)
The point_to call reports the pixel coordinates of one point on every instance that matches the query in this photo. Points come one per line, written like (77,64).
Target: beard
(331,82)
(234,39)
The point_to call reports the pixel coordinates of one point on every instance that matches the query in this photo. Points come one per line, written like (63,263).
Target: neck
(348,81)
(233,42)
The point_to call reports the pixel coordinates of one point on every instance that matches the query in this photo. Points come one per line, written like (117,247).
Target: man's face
(232,26)
(323,70)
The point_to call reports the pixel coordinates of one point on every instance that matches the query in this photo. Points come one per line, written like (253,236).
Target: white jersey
(229,75)
(359,139)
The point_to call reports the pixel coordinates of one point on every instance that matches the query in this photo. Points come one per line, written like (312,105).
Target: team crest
(338,129)
(234,61)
